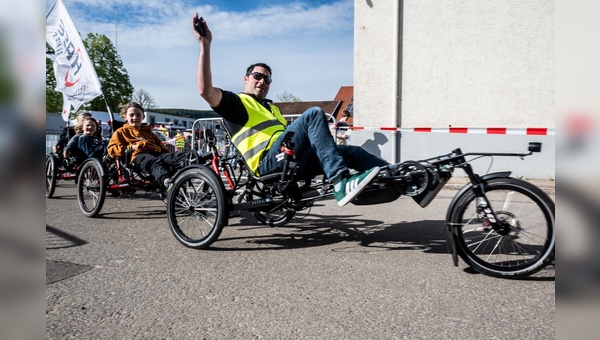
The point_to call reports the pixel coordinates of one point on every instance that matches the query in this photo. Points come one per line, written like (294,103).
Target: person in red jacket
(147,150)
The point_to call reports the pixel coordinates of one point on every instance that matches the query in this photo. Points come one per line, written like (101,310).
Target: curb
(547,186)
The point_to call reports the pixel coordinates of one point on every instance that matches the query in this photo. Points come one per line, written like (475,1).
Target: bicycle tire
(526,247)
(196,208)
(91,188)
(51,175)
(277,218)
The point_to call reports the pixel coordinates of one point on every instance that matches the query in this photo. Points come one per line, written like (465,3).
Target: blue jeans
(316,151)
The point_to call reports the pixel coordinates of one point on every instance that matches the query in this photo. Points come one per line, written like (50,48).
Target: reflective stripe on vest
(260,131)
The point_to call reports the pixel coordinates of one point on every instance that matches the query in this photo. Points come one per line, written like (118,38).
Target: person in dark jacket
(86,144)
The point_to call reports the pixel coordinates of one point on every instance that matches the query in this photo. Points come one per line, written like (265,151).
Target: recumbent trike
(59,167)
(96,177)
(500,225)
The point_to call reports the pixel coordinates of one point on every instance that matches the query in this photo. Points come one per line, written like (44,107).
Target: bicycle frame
(457,159)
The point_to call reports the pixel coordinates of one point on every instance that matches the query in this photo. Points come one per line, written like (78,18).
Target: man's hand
(197,25)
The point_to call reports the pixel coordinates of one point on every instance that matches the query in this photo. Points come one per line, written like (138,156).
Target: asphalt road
(356,272)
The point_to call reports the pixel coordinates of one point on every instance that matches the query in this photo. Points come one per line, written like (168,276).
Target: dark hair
(126,107)
(263,65)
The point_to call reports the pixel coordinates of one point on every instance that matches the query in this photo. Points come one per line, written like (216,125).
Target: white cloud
(308,47)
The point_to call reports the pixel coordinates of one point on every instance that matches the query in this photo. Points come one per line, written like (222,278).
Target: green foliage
(54,100)
(112,74)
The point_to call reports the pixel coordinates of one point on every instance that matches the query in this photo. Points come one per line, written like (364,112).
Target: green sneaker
(349,186)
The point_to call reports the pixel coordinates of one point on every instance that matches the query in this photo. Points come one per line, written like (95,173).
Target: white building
(478,75)
(156,118)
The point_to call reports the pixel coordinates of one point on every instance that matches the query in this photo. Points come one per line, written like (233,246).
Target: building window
(350,108)
(176,122)
(152,120)
(184,124)
(167,120)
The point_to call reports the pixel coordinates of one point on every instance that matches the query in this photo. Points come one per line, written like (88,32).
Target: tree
(145,99)
(54,99)
(287,97)
(113,76)
(108,65)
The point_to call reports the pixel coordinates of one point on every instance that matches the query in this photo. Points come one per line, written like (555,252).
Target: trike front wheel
(524,243)
(91,188)
(196,208)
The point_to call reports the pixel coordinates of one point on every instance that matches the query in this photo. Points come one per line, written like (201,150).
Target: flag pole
(110,113)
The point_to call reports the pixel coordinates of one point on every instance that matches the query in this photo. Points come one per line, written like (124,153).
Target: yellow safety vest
(180,141)
(260,131)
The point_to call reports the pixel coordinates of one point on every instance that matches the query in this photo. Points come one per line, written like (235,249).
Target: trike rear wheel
(91,188)
(196,208)
(524,244)
(276,217)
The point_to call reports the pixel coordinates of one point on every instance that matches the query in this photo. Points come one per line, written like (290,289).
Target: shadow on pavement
(139,214)
(57,239)
(315,231)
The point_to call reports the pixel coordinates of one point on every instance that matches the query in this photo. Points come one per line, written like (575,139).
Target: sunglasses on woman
(259,76)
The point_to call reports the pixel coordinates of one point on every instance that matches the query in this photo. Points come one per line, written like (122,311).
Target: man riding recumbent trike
(501,226)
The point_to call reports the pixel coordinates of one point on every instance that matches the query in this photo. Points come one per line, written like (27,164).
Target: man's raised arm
(211,94)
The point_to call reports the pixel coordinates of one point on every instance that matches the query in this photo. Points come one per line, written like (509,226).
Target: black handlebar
(458,155)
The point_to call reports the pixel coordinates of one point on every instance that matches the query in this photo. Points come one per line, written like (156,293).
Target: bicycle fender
(450,232)
(191,167)
(94,160)
(468,186)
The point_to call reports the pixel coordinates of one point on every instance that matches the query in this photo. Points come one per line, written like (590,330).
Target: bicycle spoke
(519,242)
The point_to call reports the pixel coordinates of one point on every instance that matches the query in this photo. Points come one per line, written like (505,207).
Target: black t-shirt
(234,112)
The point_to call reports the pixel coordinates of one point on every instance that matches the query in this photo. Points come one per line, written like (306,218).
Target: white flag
(75,75)
(66,111)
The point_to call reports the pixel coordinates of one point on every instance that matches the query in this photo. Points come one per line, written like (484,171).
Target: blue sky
(309,44)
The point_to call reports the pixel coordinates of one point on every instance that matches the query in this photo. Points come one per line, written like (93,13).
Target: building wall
(161,118)
(454,63)
(478,63)
(375,85)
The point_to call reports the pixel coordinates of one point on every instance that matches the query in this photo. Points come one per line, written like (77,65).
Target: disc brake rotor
(416,176)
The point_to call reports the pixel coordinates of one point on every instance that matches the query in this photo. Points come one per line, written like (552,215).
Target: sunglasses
(259,76)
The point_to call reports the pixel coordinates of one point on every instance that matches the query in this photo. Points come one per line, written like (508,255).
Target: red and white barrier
(466,130)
